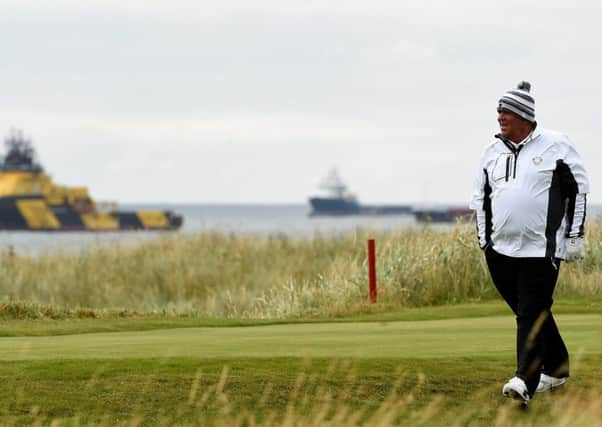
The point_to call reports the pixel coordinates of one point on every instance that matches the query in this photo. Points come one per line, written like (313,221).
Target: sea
(260,219)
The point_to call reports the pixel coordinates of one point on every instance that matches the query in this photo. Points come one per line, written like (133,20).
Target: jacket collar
(535,133)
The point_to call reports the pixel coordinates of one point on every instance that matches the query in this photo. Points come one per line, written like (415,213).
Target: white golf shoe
(516,389)
(548,383)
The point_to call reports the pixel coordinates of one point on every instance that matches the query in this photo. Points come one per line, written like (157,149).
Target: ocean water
(291,220)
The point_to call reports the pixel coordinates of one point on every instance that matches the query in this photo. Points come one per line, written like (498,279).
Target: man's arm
(481,204)
(575,186)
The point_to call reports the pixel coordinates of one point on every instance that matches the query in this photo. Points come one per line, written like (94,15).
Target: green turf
(41,327)
(423,339)
(206,374)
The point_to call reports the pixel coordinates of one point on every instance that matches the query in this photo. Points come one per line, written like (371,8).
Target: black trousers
(527,285)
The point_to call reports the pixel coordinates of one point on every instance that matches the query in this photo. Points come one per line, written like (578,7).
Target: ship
(30,200)
(443,214)
(339,201)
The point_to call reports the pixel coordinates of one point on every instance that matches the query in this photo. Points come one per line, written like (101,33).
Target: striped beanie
(519,102)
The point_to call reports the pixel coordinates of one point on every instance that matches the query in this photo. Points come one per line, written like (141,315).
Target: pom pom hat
(519,101)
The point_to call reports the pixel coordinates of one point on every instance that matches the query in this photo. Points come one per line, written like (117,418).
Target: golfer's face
(509,123)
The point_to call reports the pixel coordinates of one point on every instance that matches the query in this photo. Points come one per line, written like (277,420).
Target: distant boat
(443,214)
(339,201)
(30,200)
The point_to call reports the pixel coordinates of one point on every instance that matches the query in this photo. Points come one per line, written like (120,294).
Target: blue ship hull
(331,206)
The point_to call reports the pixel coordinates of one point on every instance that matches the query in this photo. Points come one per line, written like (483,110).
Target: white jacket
(530,197)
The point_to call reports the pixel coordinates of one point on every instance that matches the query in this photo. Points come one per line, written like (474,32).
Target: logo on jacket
(537,160)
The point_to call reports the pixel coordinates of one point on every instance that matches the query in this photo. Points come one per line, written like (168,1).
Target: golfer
(530,199)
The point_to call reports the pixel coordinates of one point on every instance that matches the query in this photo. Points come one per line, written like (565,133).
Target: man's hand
(574,249)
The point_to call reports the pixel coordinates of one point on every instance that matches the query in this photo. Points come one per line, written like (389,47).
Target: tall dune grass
(244,276)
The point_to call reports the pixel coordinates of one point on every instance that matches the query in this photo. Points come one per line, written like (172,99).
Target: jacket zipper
(516,159)
(515,152)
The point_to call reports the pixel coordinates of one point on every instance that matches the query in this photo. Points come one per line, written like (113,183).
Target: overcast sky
(254,101)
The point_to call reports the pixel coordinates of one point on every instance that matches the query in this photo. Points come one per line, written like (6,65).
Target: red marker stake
(372,269)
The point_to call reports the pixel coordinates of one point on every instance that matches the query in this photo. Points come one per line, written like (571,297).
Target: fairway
(402,339)
(197,375)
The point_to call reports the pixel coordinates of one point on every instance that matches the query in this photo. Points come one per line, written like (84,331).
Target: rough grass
(287,392)
(267,277)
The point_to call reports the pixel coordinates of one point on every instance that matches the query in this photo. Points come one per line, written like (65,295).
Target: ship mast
(334,184)
(20,155)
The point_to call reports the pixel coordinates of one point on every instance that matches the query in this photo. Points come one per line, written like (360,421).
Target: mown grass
(445,373)
(266,277)
(434,372)
(425,339)
(35,323)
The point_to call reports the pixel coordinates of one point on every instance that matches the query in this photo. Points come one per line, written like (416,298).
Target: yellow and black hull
(32,213)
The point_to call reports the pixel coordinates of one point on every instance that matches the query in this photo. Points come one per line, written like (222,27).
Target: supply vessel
(339,201)
(30,200)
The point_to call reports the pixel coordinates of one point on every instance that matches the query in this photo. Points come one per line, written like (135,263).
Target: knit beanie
(519,102)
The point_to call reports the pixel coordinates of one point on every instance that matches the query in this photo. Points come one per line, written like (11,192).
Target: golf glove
(574,249)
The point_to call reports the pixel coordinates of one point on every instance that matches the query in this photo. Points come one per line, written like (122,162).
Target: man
(530,201)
